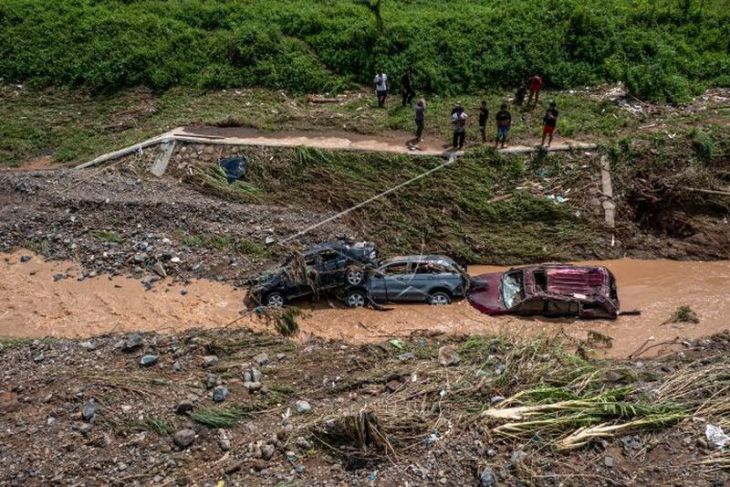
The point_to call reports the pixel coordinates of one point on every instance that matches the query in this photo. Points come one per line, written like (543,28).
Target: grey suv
(435,279)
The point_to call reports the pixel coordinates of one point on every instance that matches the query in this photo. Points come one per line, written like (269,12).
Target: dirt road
(34,305)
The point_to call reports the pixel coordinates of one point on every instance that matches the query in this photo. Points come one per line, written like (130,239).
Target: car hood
(485,294)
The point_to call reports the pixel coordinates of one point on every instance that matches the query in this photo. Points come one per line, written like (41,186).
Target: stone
(58,277)
(88,345)
(176,367)
(496,399)
(302,407)
(132,343)
(210,361)
(608,461)
(25,258)
(159,269)
(233,468)
(252,386)
(89,411)
(184,407)
(211,380)
(252,375)
(175,260)
(149,360)
(267,451)
(184,438)
(487,479)
(448,356)
(220,393)
(302,443)
(405,356)
(261,359)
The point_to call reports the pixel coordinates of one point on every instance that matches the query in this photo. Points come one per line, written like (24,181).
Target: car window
(396,268)
(426,268)
(535,305)
(328,255)
(512,288)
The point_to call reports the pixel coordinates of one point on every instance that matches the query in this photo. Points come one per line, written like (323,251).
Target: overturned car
(321,269)
(553,290)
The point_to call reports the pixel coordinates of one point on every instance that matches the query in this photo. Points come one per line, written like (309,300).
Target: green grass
(126,426)
(225,243)
(107,236)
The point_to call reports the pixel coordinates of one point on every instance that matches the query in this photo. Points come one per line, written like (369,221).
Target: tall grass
(664,49)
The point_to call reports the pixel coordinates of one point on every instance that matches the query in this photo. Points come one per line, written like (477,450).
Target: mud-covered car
(317,270)
(552,290)
(435,279)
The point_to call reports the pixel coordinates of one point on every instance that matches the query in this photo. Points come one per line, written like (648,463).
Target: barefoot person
(420,118)
(381,88)
(504,122)
(535,87)
(458,122)
(550,121)
(483,117)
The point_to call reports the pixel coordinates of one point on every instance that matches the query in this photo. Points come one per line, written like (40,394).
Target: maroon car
(549,290)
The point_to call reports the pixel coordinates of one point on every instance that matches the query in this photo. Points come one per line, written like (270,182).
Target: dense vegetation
(663,50)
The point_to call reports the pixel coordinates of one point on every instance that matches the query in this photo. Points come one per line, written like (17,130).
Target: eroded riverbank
(35,305)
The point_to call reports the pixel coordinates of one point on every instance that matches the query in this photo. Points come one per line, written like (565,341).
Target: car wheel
(354,276)
(356,299)
(439,298)
(275,300)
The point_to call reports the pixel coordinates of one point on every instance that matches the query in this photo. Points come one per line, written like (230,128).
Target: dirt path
(34,305)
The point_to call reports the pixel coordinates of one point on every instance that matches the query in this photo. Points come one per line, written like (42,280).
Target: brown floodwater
(32,304)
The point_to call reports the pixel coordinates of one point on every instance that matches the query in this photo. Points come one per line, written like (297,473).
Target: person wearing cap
(458,122)
(550,120)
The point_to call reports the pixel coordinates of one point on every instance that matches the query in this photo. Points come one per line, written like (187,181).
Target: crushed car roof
(419,259)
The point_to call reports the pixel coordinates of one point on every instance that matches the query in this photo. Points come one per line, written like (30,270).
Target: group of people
(503,117)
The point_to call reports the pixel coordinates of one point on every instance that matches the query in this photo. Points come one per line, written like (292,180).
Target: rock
(448,356)
(58,277)
(159,269)
(25,258)
(210,361)
(252,375)
(211,380)
(184,438)
(184,407)
(88,345)
(302,443)
(175,260)
(233,468)
(132,343)
(302,407)
(224,442)
(252,386)
(487,478)
(220,393)
(405,356)
(496,399)
(139,258)
(149,360)
(267,451)
(269,240)
(9,402)
(88,411)
(183,292)
(608,461)
(176,367)
(261,359)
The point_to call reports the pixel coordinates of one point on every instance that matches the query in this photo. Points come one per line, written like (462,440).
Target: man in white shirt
(381,88)
(458,121)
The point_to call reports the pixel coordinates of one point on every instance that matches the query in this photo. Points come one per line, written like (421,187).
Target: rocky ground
(117,222)
(255,409)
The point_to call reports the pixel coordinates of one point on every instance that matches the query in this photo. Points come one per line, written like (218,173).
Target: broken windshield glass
(512,288)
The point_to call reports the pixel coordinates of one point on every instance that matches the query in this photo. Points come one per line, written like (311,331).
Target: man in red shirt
(535,87)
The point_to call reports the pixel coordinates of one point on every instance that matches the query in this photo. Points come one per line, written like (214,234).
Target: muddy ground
(88,413)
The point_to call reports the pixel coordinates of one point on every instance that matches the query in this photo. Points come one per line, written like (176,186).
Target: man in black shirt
(406,87)
(483,117)
(504,122)
(549,122)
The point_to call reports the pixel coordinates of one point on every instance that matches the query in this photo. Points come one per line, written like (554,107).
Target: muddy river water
(33,304)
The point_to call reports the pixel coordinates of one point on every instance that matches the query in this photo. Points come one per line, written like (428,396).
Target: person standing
(504,122)
(406,87)
(535,87)
(550,121)
(458,121)
(483,117)
(381,88)
(420,118)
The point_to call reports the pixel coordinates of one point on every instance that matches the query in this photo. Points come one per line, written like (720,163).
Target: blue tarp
(235,167)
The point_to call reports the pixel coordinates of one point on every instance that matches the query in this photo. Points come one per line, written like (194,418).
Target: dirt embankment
(48,299)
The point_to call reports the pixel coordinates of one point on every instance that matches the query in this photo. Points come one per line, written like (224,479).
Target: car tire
(275,300)
(354,276)
(439,298)
(356,298)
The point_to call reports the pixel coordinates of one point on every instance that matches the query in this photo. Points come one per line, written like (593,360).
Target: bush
(663,50)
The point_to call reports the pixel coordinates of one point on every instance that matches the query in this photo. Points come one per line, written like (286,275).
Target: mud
(34,305)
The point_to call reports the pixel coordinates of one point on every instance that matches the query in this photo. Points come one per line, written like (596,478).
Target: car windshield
(512,288)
